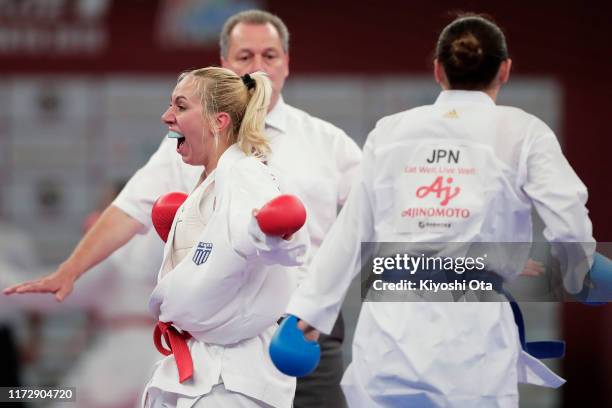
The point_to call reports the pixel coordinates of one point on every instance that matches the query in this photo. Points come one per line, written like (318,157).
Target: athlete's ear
(440,75)
(222,121)
(503,74)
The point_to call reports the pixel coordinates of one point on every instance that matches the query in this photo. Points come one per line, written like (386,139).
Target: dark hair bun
(466,52)
(471,49)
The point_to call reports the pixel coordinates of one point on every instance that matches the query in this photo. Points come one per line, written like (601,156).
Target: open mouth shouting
(180,139)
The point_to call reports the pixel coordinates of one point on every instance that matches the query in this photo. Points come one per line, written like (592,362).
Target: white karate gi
(227,284)
(317,161)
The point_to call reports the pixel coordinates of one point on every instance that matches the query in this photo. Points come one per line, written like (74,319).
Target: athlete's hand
(533,268)
(60,283)
(293,348)
(281,216)
(310,333)
(164,210)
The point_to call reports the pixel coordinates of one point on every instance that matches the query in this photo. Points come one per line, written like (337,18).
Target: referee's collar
(456,96)
(277,117)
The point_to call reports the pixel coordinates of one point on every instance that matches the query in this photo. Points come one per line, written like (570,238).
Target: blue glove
(601,277)
(290,352)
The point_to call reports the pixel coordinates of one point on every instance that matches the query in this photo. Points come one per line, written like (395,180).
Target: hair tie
(248,81)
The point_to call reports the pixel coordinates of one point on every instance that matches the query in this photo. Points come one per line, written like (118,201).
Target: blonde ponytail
(251,136)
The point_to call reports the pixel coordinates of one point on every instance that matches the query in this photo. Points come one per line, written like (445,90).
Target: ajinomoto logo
(444,192)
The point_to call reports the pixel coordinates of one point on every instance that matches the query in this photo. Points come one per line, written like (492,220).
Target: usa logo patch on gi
(202,251)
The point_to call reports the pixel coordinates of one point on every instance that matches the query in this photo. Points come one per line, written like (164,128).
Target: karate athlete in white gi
(223,283)
(318,160)
(420,354)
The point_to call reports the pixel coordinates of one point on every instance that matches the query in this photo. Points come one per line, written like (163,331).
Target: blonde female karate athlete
(221,287)
(426,354)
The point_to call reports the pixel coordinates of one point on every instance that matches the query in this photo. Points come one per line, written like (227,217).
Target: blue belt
(538,349)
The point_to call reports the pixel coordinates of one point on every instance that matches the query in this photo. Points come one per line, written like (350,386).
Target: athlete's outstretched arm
(113,229)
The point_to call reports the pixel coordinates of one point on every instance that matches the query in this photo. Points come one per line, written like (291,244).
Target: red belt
(178,346)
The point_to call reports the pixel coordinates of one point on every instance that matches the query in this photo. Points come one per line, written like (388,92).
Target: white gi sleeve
(559,197)
(160,175)
(257,187)
(319,297)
